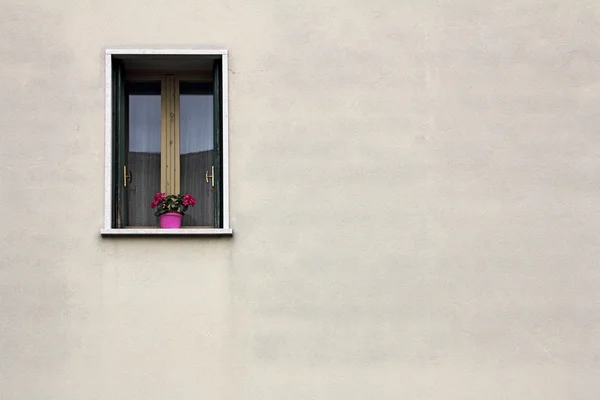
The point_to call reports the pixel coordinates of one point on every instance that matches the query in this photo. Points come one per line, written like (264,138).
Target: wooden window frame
(170,181)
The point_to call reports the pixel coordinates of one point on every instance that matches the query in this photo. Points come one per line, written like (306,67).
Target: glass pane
(144,151)
(196,141)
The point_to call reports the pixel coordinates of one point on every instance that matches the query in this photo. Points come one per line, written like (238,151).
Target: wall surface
(414,198)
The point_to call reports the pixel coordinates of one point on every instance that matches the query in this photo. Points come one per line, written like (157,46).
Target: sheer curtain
(196,141)
(144,154)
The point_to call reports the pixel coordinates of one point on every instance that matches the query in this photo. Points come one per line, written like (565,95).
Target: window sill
(167,232)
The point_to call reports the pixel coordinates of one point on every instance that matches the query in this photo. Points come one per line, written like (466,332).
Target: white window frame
(108,147)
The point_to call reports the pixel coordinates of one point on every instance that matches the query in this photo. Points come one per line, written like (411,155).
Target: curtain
(197,152)
(144,115)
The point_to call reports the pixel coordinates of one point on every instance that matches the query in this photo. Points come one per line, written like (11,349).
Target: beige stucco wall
(414,195)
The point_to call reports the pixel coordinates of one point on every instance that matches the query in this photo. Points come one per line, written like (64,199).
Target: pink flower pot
(170,220)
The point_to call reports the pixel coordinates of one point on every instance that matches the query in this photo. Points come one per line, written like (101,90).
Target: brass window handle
(127,176)
(211,177)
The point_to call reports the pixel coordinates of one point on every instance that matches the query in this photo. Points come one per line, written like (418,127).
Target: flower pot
(170,220)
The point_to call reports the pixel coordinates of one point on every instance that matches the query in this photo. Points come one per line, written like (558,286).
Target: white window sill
(167,232)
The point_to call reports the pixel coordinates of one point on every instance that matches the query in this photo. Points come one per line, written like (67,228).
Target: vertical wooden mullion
(176,139)
(163,135)
(170,134)
(171,172)
(169,118)
(170,139)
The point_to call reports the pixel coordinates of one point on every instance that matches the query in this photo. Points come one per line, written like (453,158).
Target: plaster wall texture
(414,198)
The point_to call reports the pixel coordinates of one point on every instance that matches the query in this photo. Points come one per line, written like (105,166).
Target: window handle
(127,176)
(211,177)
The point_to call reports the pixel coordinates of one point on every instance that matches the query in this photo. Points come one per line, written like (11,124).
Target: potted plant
(170,209)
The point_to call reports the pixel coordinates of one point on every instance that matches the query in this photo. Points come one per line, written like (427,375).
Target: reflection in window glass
(196,141)
(143,161)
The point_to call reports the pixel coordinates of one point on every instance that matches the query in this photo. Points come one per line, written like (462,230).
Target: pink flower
(158,197)
(188,200)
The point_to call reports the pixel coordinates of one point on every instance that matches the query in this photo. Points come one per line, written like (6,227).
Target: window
(166,131)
